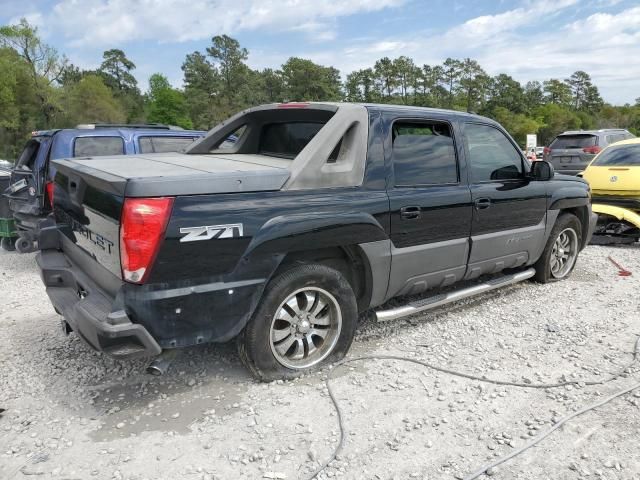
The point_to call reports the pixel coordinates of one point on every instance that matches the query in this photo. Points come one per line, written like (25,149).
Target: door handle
(482,203)
(410,213)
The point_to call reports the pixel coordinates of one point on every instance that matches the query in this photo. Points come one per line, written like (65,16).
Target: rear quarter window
(97,146)
(622,156)
(164,144)
(573,141)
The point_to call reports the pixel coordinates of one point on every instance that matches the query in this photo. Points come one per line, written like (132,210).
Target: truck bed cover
(180,174)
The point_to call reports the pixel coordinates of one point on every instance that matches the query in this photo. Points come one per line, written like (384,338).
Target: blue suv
(31,186)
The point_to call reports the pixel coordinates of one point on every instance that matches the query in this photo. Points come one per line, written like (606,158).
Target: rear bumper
(126,320)
(629,203)
(622,214)
(90,312)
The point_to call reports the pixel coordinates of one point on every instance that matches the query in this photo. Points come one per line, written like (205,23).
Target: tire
(547,267)
(8,244)
(309,311)
(24,245)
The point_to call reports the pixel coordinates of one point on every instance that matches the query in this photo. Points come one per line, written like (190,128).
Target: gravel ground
(72,413)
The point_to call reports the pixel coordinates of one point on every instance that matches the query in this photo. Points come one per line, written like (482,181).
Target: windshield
(573,141)
(623,155)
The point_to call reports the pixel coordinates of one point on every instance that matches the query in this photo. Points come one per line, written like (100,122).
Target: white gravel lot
(72,413)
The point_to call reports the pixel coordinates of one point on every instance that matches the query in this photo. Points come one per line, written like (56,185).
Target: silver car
(571,152)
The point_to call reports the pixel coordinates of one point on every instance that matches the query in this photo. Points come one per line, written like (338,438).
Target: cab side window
(491,155)
(423,154)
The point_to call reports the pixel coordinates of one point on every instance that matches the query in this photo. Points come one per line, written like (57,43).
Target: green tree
(578,83)
(305,80)
(451,72)
(555,119)
(504,91)
(557,92)
(585,94)
(272,85)
(472,85)
(517,124)
(229,57)
(201,87)
(533,95)
(42,61)
(360,86)
(117,68)
(433,94)
(166,104)
(405,71)
(91,101)
(387,77)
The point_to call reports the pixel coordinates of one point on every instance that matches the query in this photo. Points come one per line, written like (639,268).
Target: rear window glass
(574,141)
(96,146)
(164,144)
(287,140)
(623,156)
(28,155)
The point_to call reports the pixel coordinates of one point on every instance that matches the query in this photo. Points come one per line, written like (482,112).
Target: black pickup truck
(316,213)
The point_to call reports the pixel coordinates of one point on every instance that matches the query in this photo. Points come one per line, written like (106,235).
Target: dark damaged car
(316,213)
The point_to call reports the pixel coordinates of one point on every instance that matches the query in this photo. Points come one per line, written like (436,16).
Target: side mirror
(541,171)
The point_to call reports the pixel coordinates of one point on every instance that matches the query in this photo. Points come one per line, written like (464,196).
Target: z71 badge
(211,231)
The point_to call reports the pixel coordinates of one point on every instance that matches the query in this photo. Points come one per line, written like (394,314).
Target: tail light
(546,150)
(593,150)
(49,186)
(142,227)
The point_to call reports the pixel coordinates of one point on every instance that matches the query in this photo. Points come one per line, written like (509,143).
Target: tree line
(40,89)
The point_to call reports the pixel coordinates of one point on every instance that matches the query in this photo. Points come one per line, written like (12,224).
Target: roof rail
(157,126)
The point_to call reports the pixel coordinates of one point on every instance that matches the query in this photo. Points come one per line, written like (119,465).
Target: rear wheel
(24,245)
(561,251)
(8,244)
(307,317)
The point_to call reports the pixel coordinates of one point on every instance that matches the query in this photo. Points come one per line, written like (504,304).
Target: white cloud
(535,39)
(605,45)
(34,18)
(110,22)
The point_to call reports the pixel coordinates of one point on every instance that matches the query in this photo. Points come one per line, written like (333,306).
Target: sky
(527,39)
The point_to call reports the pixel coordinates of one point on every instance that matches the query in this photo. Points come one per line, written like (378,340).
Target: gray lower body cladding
(412,270)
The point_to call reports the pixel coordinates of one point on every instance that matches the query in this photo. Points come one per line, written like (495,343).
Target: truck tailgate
(90,192)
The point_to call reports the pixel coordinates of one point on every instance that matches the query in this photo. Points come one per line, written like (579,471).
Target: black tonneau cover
(173,174)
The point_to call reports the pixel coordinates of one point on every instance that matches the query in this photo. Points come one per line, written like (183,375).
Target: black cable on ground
(476,474)
(542,436)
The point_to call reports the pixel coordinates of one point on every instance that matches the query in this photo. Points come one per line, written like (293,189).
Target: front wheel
(561,251)
(307,317)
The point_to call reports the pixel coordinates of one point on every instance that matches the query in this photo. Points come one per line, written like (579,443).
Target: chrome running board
(442,299)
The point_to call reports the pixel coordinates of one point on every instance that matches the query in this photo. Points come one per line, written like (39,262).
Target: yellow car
(614,177)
